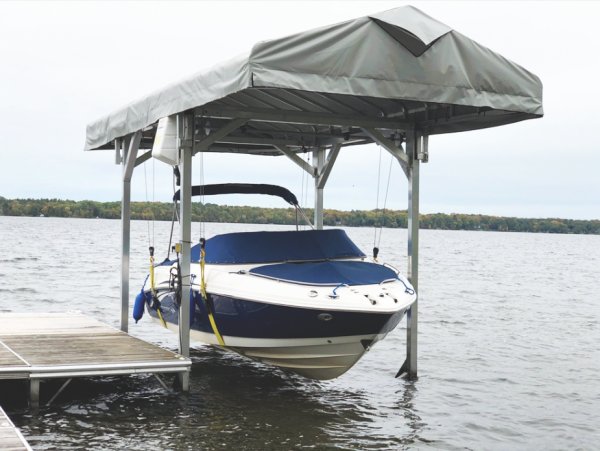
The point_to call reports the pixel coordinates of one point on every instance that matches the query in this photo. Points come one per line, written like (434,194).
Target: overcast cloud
(66,64)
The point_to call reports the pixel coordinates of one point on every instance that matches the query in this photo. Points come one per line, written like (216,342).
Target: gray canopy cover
(400,54)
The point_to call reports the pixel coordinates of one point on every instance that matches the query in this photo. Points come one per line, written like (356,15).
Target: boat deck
(10,437)
(56,345)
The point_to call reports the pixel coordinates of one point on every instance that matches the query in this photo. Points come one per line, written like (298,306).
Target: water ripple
(509,357)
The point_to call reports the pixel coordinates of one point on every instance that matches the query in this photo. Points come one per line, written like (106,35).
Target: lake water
(509,351)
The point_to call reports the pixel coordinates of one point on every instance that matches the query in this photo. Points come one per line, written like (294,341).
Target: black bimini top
(241,188)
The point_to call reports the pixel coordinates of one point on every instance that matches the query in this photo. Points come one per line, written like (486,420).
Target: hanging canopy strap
(242,188)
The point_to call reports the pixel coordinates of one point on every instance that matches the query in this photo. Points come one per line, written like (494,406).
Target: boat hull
(315,343)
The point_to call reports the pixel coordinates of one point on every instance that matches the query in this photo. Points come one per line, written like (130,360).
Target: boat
(307,301)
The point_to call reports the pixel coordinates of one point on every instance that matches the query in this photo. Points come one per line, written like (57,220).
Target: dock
(38,346)
(10,437)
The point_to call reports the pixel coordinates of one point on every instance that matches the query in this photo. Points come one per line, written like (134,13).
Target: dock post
(34,393)
(413,144)
(185,130)
(130,149)
(318,163)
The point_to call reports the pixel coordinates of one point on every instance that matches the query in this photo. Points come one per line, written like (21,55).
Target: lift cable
(376,238)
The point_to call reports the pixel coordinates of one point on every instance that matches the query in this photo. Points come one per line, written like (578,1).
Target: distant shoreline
(256,215)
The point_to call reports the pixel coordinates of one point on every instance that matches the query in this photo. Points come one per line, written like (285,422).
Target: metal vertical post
(185,135)
(34,393)
(125,241)
(319,163)
(412,149)
(130,147)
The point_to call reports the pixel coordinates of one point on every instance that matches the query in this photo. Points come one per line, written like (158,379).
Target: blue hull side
(250,319)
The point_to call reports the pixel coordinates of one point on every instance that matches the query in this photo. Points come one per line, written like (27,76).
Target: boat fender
(138,306)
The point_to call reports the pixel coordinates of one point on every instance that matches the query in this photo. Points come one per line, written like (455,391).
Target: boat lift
(393,78)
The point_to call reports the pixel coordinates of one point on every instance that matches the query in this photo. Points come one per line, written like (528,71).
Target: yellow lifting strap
(211,318)
(153,287)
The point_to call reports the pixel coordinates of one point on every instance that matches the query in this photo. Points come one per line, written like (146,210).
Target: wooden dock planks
(37,346)
(84,349)
(8,358)
(57,345)
(10,437)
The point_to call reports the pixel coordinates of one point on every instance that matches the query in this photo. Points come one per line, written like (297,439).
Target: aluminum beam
(303,117)
(143,158)
(296,159)
(216,135)
(413,144)
(324,175)
(319,163)
(390,146)
(185,130)
(130,149)
(34,393)
(295,140)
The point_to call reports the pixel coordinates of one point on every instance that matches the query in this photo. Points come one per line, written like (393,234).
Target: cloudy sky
(63,65)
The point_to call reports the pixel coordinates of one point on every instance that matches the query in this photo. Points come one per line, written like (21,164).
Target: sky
(65,64)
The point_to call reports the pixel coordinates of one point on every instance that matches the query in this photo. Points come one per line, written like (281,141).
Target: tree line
(162,211)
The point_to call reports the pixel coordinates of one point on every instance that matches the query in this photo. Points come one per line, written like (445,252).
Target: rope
(308,161)
(146,192)
(304,190)
(387,189)
(174,218)
(376,240)
(201,224)
(153,198)
(172,227)
(153,288)
(377,198)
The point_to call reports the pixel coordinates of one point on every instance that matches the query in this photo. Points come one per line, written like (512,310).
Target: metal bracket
(391,147)
(403,369)
(143,158)
(324,175)
(60,390)
(161,382)
(296,159)
(134,143)
(205,143)
(118,156)
(423,149)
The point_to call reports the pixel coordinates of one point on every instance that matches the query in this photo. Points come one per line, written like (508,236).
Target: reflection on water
(508,352)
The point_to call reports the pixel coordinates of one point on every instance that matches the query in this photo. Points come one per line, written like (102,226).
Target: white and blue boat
(309,301)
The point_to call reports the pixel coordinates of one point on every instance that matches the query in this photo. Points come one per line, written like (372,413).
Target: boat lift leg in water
(416,147)
(416,151)
(126,153)
(185,132)
(130,147)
